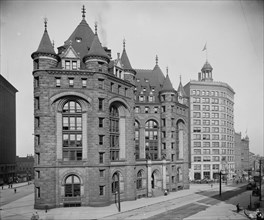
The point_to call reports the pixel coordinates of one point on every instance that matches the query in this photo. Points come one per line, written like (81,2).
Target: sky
(176,31)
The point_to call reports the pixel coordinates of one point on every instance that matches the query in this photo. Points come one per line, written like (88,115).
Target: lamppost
(220,182)
(260,179)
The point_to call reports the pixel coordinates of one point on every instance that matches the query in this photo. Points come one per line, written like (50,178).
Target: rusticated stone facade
(86,141)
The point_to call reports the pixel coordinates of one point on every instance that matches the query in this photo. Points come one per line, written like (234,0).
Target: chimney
(199,76)
(118,56)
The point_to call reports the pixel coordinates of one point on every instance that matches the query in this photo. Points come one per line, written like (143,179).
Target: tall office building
(242,165)
(211,126)
(88,145)
(7,131)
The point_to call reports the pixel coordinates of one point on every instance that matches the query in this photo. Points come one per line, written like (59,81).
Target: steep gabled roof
(167,86)
(97,49)
(81,39)
(70,53)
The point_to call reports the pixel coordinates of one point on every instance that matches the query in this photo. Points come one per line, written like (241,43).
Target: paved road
(8,195)
(179,208)
(198,206)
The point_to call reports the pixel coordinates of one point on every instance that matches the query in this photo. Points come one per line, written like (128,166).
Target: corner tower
(45,56)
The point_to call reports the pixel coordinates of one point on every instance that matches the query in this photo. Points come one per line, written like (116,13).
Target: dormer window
(74,65)
(67,64)
(78,39)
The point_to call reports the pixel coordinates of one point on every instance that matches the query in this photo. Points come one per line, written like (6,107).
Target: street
(7,195)
(190,205)
(201,201)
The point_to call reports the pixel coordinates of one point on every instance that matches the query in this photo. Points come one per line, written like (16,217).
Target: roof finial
(45,23)
(167,70)
(124,43)
(180,78)
(157,59)
(95,27)
(83,12)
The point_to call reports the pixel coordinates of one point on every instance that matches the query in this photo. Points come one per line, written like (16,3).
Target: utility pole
(119,206)
(260,178)
(220,182)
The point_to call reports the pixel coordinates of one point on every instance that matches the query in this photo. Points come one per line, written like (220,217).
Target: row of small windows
(214,144)
(213,101)
(213,108)
(212,115)
(113,87)
(212,151)
(213,130)
(155,109)
(213,122)
(213,137)
(206,166)
(209,93)
(206,158)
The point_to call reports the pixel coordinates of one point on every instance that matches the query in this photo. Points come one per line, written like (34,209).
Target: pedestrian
(36,216)
(2,187)
(15,190)
(238,208)
(33,217)
(211,185)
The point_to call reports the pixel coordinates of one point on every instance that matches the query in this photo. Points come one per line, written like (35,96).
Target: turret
(45,56)
(182,97)
(206,74)
(167,92)
(129,72)
(97,59)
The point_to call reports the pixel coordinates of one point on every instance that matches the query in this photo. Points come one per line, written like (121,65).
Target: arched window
(116,179)
(151,140)
(72,131)
(139,179)
(137,140)
(72,186)
(114,133)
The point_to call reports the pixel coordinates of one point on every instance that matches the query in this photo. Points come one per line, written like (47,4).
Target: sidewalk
(23,208)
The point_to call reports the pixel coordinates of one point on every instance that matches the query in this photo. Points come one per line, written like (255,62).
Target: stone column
(149,178)
(164,185)
(142,152)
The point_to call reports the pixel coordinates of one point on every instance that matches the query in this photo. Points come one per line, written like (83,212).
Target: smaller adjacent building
(7,131)
(24,168)
(242,165)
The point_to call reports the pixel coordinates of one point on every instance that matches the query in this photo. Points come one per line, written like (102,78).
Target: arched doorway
(155,179)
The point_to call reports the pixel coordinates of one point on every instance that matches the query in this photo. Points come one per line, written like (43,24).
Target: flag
(204,47)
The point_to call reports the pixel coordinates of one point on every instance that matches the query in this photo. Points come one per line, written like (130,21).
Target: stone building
(211,126)
(89,142)
(24,168)
(7,131)
(242,165)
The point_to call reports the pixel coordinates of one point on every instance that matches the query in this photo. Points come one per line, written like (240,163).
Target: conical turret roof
(125,60)
(181,90)
(97,49)
(167,85)
(158,75)
(45,45)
